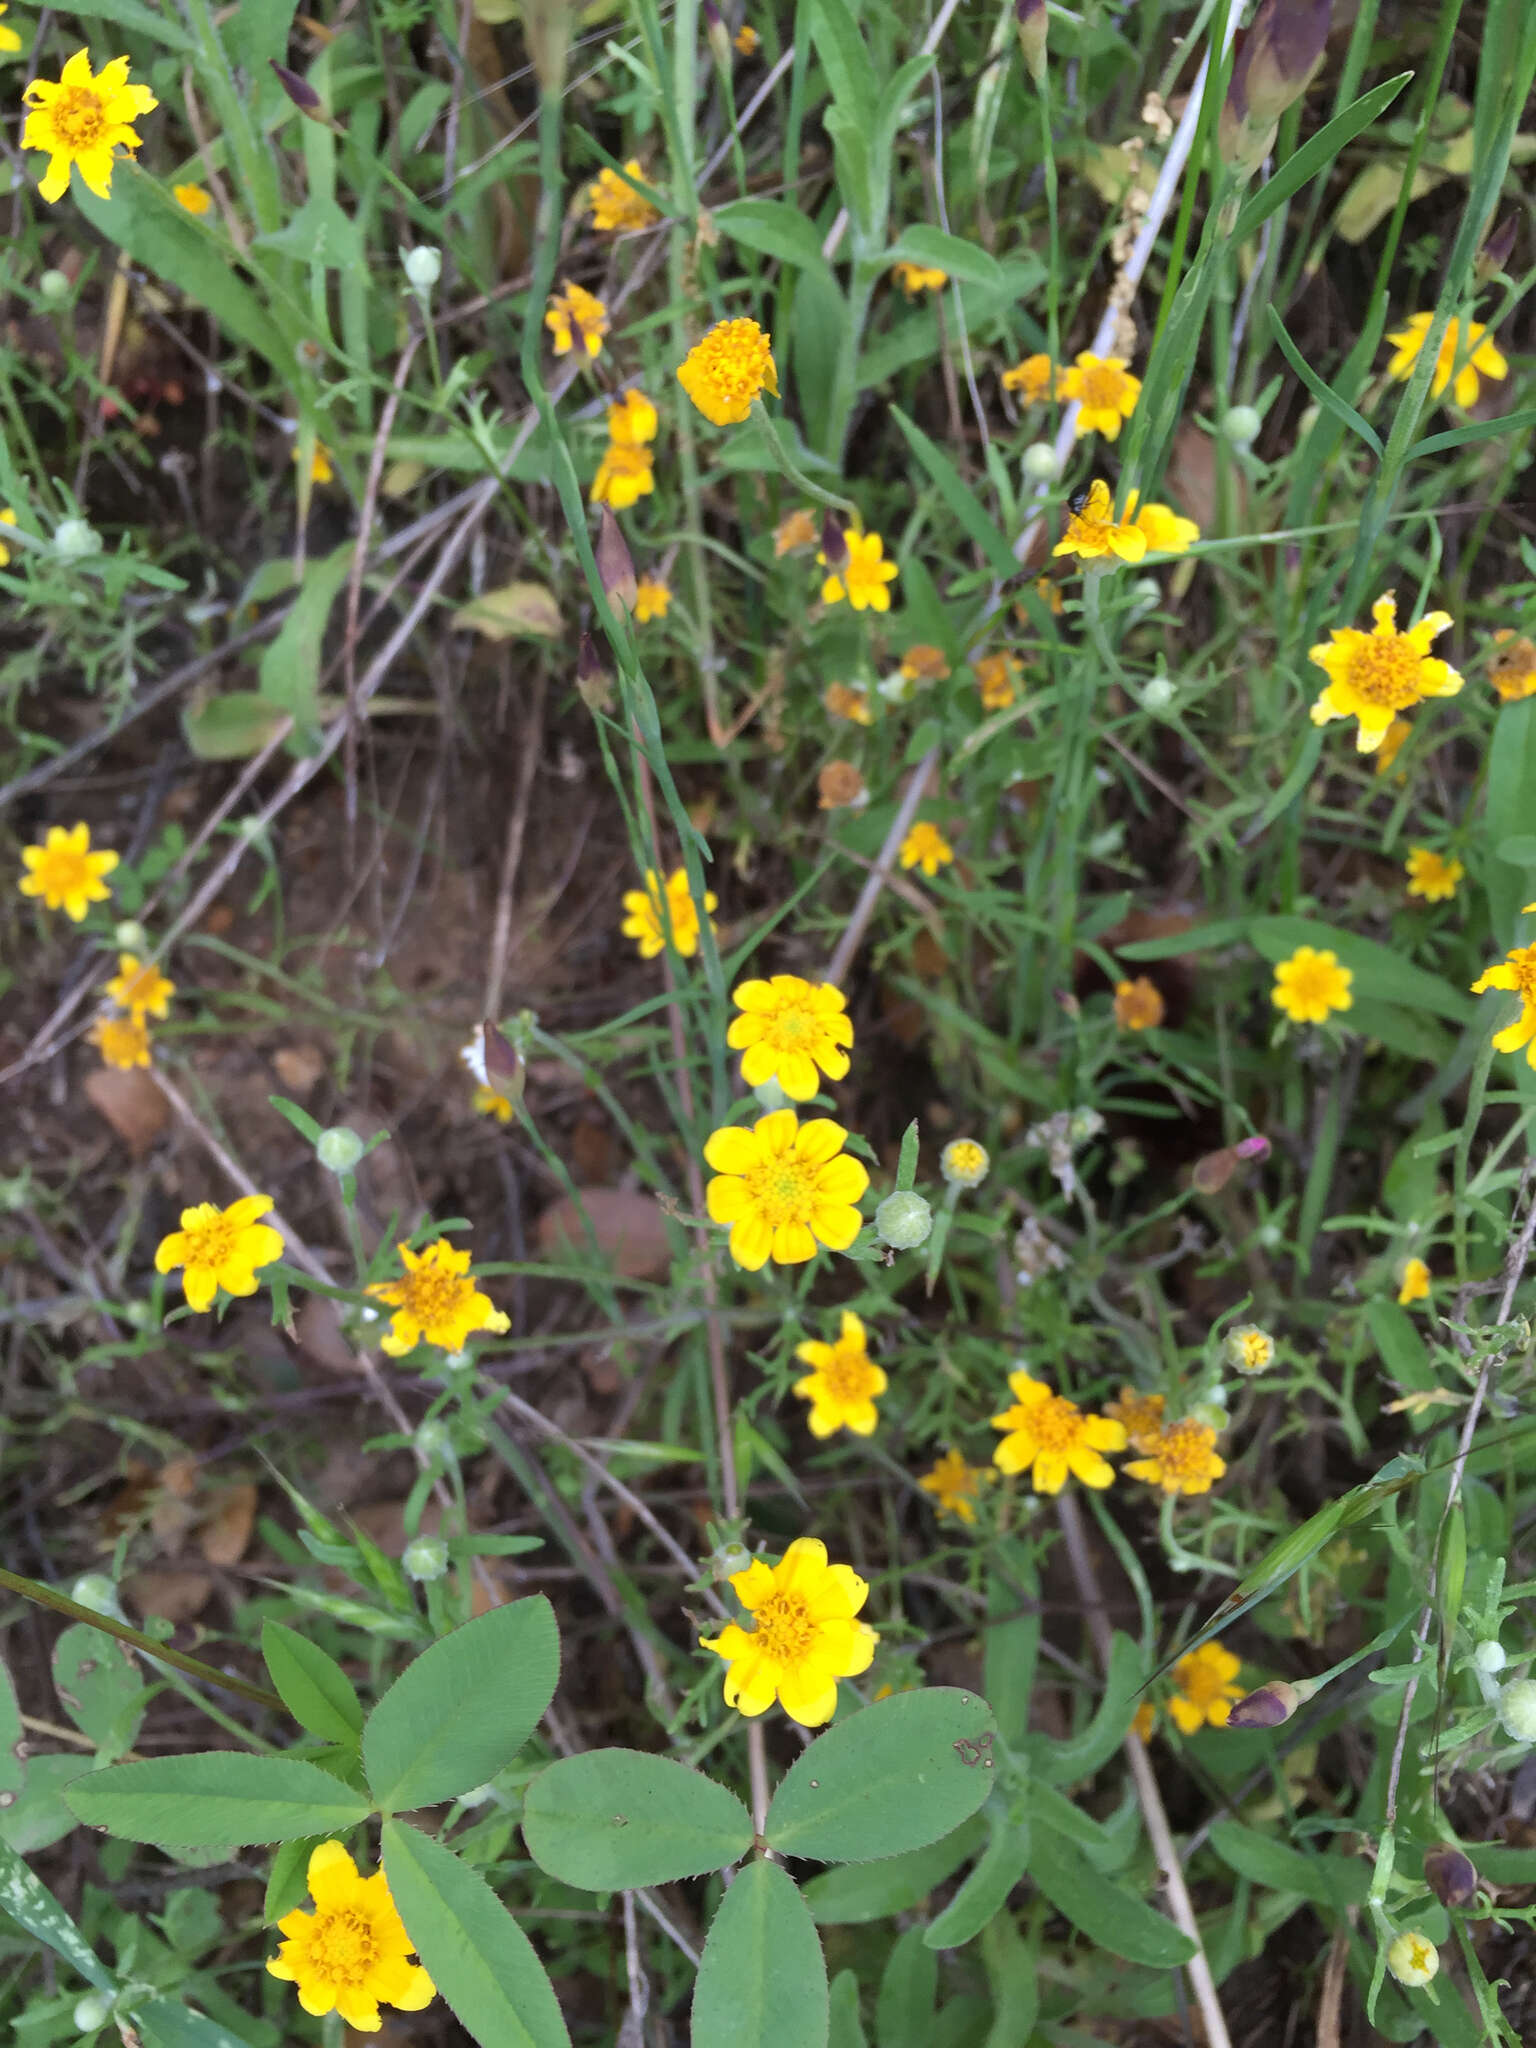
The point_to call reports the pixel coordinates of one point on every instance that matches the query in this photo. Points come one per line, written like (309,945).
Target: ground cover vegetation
(769,1024)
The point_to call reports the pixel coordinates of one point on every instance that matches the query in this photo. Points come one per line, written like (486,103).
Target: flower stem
(787,465)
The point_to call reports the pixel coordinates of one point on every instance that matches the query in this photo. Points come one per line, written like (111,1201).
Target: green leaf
(144,21)
(1060,1763)
(474,1951)
(958,496)
(845,59)
(164,2025)
(612,1819)
(1326,1880)
(856,1893)
(906,1164)
(1379,971)
(774,228)
(312,1685)
(464,1708)
(142,218)
(99,1686)
(232,726)
(1012,1980)
(290,664)
(909,1990)
(1110,1916)
(215,1797)
(1326,397)
(1403,1351)
(762,1979)
(13,1769)
(38,1817)
(899,1774)
(29,1902)
(935,250)
(985,1891)
(847,2029)
(1011,1644)
(1319,154)
(1502,429)
(1509,806)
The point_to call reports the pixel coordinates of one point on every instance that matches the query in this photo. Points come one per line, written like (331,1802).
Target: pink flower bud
(1029,17)
(834,548)
(1451,1875)
(299,90)
(1271,1705)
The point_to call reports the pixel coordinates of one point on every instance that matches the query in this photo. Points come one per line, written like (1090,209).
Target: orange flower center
(1056,1424)
(1200,1682)
(1385,671)
(1100,387)
(79,117)
(789,1029)
(1523,961)
(1184,1451)
(429,1294)
(213,1242)
(847,1373)
(343,1947)
(782,1189)
(786,1628)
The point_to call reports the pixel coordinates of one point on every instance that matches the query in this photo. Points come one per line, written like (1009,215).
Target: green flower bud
(1241,425)
(54,287)
(425,1559)
(91,2012)
(1039,463)
(434,1442)
(771,1095)
(1412,1960)
(75,539)
(903,1221)
(1489,1656)
(130,936)
(339,1149)
(1517,1709)
(96,1591)
(423,267)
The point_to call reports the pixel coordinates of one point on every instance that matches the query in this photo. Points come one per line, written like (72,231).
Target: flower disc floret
(731,366)
(1105,392)
(1516,974)
(1204,1688)
(1311,985)
(1481,359)
(1374,676)
(964,1164)
(864,577)
(220,1248)
(1250,1349)
(140,989)
(351,1954)
(784,1187)
(789,1028)
(81,119)
(844,1382)
(65,872)
(1140,1415)
(1181,1459)
(805,1635)
(435,1301)
(643,920)
(1051,1438)
(1138,1004)
(1094,532)
(1431,875)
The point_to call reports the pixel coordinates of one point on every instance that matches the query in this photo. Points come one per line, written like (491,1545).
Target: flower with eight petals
(788,1029)
(805,1634)
(351,1955)
(784,1187)
(81,119)
(220,1248)
(843,1383)
(1050,1437)
(1377,675)
(65,872)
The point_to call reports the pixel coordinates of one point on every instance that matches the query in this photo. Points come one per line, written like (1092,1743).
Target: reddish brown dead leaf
(172,1595)
(131,1104)
(299,1067)
(227,1531)
(630,1229)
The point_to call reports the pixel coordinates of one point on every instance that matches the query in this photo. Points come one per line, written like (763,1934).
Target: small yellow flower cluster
(1204,1691)
(1102,387)
(138,990)
(916,277)
(997,680)
(728,369)
(616,207)
(625,473)
(576,318)
(646,923)
(1052,1439)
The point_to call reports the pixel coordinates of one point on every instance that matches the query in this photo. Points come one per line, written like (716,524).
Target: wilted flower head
(1035,1253)
(1275,63)
(1269,1707)
(1451,1875)
(840,786)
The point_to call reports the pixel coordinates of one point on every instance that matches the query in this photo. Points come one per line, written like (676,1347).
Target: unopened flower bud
(54,287)
(91,2012)
(434,1441)
(903,1221)
(74,539)
(130,936)
(1412,1960)
(1029,18)
(834,546)
(1157,693)
(423,266)
(1489,1656)
(1210,1415)
(1269,1707)
(299,90)
(591,677)
(1240,425)
(1279,54)
(728,1560)
(96,1591)
(339,1149)
(425,1559)
(1517,1709)
(1039,463)
(964,1163)
(615,567)
(1451,1875)
(1210,1174)
(1249,1349)
(716,35)
(1493,257)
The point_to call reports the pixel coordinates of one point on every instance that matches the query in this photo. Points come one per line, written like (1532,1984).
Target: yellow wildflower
(644,921)
(796,529)
(1139,1004)
(1415,1282)
(652,598)
(7,518)
(964,1164)
(435,1301)
(1050,1437)
(1431,875)
(926,847)
(746,40)
(220,1248)
(804,1638)
(616,207)
(863,577)
(954,1485)
(576,316)
(623,476)
(1310,985)
(996,677)
(1204,1688)
(123,1042)
(839,701)
(632,421)
(349,1956)
(1105,391)
(1093,530)
(731,366)
(1374,676)
(489,1101)
(1513,673)
(1250,1349)
(141,990)
(321,468)
(1516,972)
(1140,1415)
(784,1187)
(65,872)
(1483,359)
(192,199)
(81,119)
(1032,379)
(788,1029)
(9,40)
(1144,1720)
(924,664)
(1181,1459)
(843,1383)
(914,278)
(1168,532)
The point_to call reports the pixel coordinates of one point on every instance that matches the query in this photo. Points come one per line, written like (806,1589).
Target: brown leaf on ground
(227,1531)
(630,1229)
(131,1104)
(171,1595)
(299,1067)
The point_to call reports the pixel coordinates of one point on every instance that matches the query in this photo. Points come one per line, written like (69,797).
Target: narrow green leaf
(1011,1644)
(1509,803)
(1331,1880)
(473,1950)
(30,1903)
(774,228)
(762,1979)
(464,1708)
(164,2025)
(1111,1917)
(1319,154)
(213,1798)
(935,250)
(852,1894)
(901,1773)
(1011,1978)
(612,1819)
(231,726)
(985,1892)
(847,2029)
(1477,430)
(845,59)
(144,21)
(288,1877)
(289,674)
(1326,397)
(906,1164)
(909,1990)
(314,1688)
(1061,1763)
(959,497)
